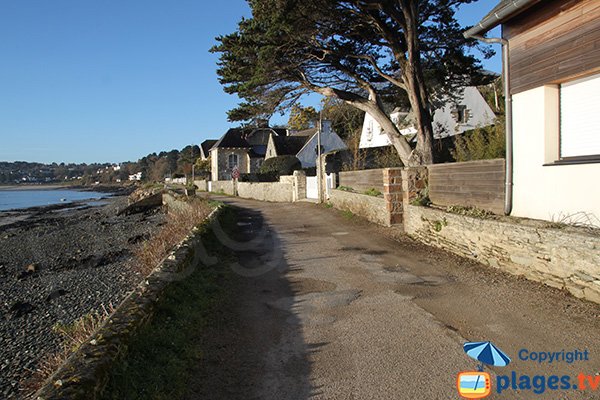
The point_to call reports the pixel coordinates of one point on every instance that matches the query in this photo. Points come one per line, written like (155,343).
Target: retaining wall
(86,372)
(565,258)
(370,207)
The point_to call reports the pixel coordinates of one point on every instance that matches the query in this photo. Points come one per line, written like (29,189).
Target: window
(580,118)
(461,114)
(233,161)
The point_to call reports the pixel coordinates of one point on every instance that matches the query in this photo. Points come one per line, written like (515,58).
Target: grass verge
(162,357)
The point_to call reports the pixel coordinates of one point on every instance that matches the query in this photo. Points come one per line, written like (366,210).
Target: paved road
(330,307)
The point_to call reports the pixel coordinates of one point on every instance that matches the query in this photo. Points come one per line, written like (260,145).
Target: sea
(15,198)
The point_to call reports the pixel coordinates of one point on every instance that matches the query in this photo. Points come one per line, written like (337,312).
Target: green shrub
(345,188)
(481,143)
(282,165)
(373,192)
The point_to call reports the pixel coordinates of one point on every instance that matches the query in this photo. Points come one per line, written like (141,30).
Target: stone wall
(222,186)
(566,258)
(85,373)
(201,184)
(281,191)
(369,207)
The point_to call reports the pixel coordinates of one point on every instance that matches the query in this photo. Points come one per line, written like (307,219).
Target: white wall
(330,142)
(444,123)
(480,114)
(546,192)
(373,136)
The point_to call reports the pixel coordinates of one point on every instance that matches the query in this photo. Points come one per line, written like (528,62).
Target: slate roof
(306,132)
(206,146)
(248,138)
(289,145)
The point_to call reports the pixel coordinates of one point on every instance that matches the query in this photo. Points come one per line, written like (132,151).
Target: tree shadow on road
(255,347)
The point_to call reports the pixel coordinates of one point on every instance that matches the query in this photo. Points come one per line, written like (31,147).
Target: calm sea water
(11,199)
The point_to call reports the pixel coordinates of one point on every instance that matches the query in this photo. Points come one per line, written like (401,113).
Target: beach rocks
(55,294)
(20,308)
(62,263)
(29,270)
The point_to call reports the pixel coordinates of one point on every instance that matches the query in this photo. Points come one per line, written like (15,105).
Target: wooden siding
(475,183)
(362,180)
(552,42)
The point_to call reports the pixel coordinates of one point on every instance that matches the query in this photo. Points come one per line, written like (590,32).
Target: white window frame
(579,126)
(236,161)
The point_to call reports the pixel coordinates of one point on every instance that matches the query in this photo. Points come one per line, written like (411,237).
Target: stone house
(244,148)
(551,67)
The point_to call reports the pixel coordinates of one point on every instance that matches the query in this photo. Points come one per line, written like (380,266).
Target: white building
(468,111)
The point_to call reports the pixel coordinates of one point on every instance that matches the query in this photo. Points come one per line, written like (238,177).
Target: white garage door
(580,118)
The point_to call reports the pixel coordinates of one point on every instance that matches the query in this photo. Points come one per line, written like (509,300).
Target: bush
(282,165)
(481,143)
(258,177)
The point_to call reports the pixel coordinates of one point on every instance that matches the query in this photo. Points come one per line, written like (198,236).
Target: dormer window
(461,114)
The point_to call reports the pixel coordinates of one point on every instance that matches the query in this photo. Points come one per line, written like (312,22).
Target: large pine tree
(355,51)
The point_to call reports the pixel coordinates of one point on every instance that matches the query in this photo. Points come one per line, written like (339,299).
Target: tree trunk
(375,109)
(412,75)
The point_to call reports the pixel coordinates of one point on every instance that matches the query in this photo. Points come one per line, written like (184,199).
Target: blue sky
(110,81)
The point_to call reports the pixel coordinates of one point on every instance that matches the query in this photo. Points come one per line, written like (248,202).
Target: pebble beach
(57,264)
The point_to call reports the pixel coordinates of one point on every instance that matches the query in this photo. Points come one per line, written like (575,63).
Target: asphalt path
(332,307)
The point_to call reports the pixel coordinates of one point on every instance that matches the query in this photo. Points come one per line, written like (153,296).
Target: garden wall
(562,257)
(370,207)
(281,191)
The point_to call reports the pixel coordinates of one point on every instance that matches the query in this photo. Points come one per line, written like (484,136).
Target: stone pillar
(414,182)
(299,186)
(392,193)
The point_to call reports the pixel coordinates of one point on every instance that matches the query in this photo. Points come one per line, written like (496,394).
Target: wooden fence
(475,183)
(362,180)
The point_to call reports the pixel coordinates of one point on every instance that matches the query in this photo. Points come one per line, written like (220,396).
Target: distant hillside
(154,167)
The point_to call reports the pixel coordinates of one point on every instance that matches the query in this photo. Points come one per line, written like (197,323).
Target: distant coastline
(48,186)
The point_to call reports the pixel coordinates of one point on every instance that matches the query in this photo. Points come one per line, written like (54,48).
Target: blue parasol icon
(486,353)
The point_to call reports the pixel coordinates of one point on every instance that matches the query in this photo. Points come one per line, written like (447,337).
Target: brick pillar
(392,193)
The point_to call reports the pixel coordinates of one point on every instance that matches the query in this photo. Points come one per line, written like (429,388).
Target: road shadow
(255,347)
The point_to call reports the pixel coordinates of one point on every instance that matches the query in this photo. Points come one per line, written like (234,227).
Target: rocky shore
(58,263)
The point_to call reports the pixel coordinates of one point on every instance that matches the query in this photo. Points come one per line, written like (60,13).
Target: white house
(555,87)
(303,144)
(136,177)
(468,111)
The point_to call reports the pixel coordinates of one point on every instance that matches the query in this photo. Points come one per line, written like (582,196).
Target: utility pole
(319,172)
(193,163)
